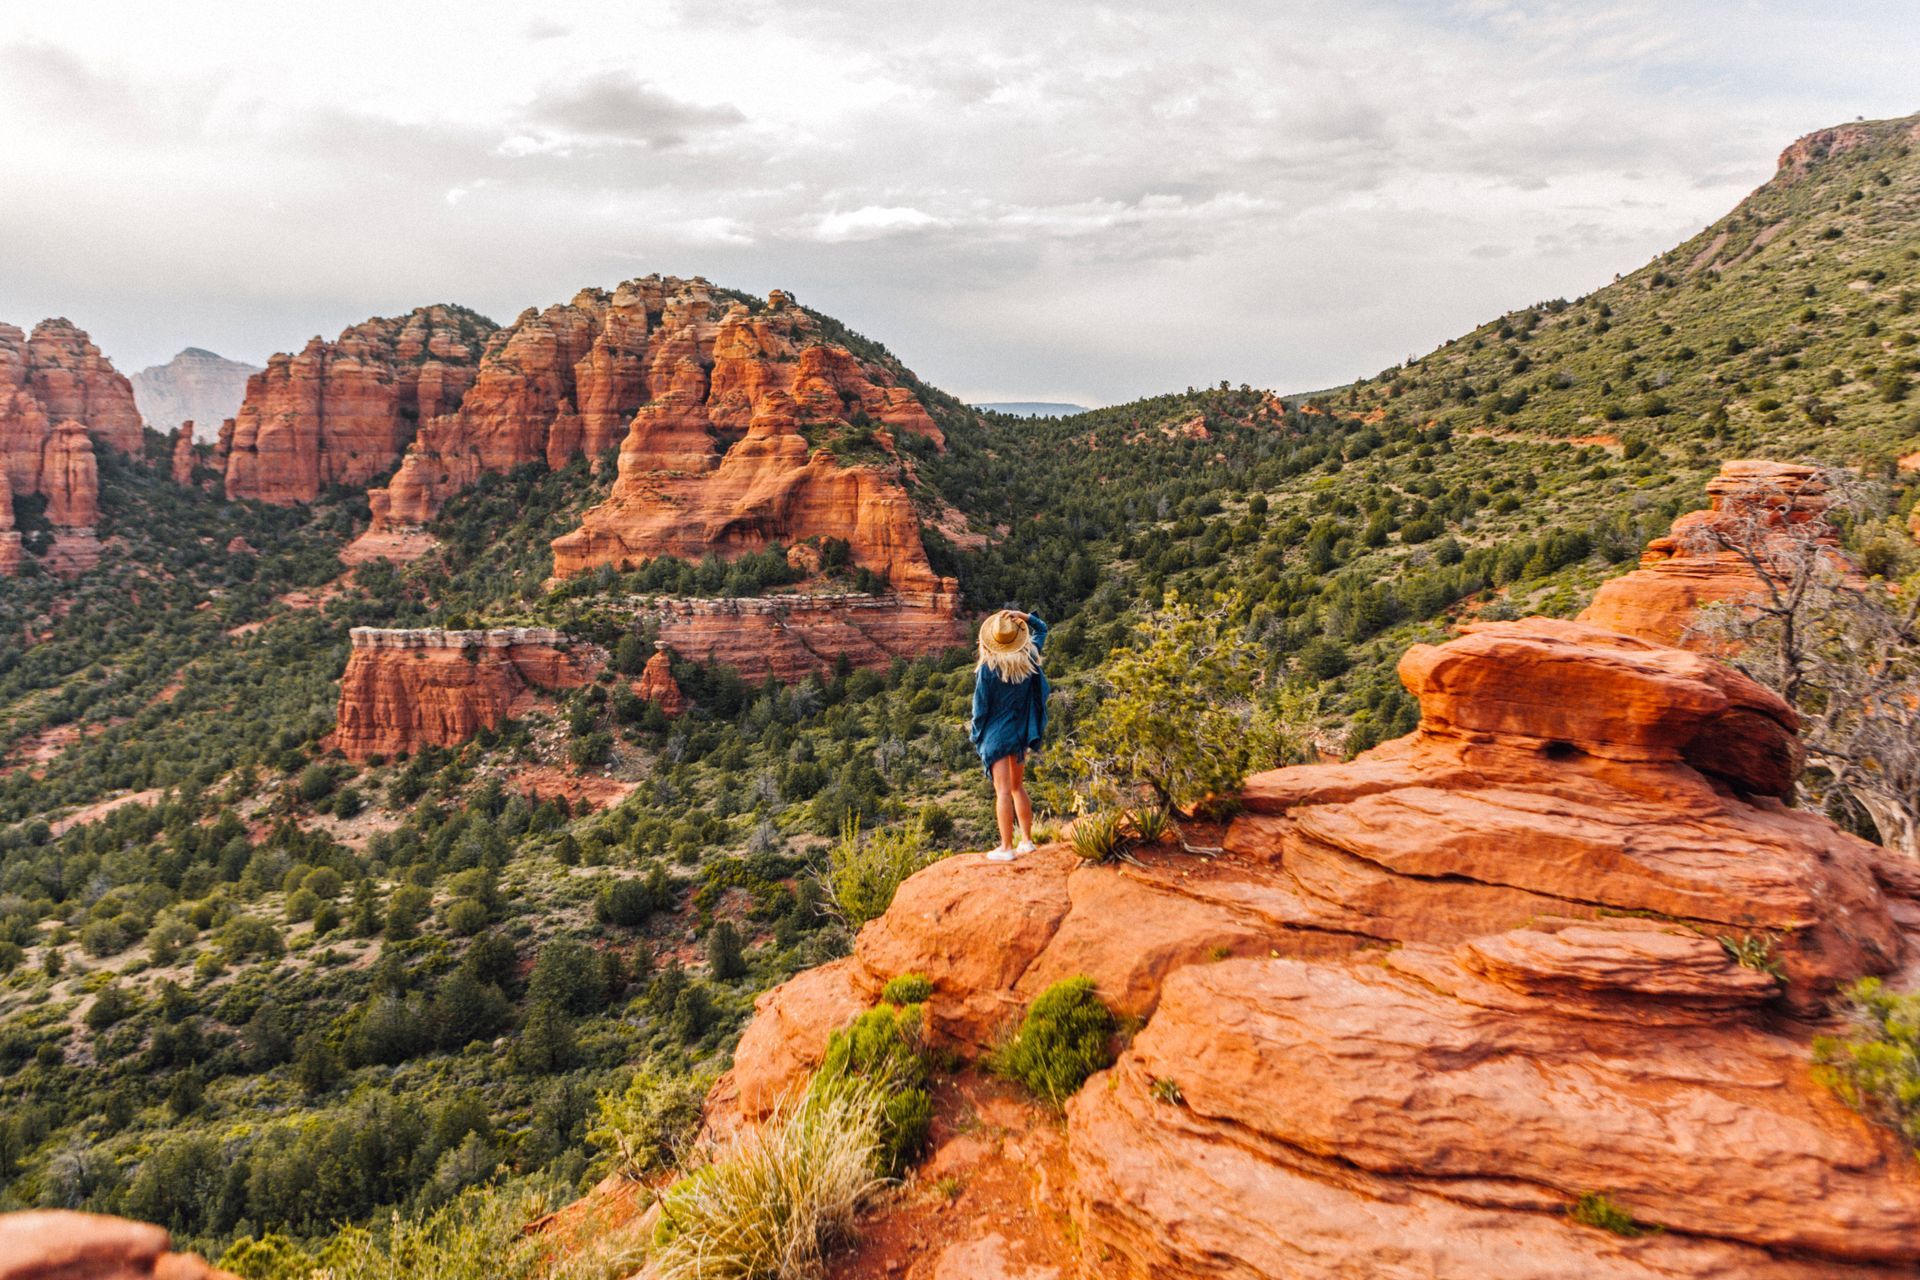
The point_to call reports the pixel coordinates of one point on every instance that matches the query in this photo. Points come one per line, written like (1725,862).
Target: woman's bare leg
(1003,784)
(1022,807)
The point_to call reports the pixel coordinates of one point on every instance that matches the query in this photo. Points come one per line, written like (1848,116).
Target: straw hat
(1006,646)
(1004,633)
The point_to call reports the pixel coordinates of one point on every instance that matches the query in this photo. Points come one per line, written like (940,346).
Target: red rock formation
(58,376)
(340,412)
(1467,977)
(57,1244)
(71,379)
(1688,569)
(722,458)
(554,384)
(658,686)
(183,458)
(403,690)
(791,637)
(11,552)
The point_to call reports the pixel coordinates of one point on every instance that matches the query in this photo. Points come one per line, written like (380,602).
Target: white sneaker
(1025,846)
(1002,854)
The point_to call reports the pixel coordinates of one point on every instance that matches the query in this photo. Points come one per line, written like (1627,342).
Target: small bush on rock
(1062,1041)
(1099,836)
(908,988)
(1597,1209)
(863,872)
(1876,1069)
(885,1049)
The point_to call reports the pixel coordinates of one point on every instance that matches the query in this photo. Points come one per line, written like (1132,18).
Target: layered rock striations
(791,637)
(342,412)
(194,386)
(58,398)
(1703,559)
(658,686)
(408,689)
(1429,998)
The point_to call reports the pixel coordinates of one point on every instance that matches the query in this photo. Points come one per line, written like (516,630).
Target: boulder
(657,685)
(58,1244)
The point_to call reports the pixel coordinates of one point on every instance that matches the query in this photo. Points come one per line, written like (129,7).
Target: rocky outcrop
(71,380)
(759,431)
(658,686)
(194,386)
(58,398)
(57,1244)
(1427,999)
(1699,562)
(791,637)
(341,412)
(555,384)
(183,459)
(407,689)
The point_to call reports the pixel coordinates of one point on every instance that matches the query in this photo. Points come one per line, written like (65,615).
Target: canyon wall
(1703,559)
(407,689)
(1426,1000)
(59,397)
(341,412)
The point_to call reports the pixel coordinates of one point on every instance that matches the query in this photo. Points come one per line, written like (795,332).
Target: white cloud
(871,222)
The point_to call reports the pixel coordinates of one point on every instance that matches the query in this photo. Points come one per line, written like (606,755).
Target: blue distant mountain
(1033,408)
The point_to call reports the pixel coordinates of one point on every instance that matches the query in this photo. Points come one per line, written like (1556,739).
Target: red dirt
(545,781)
(996,1166)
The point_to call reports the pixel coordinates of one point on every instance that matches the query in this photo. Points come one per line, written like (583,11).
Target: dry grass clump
(770,1205)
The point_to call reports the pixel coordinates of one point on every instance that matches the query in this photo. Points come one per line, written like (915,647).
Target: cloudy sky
(1065,201)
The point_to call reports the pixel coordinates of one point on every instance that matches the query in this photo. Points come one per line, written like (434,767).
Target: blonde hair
(1007,648)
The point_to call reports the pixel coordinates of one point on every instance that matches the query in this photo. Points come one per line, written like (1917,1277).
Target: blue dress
(1010,719)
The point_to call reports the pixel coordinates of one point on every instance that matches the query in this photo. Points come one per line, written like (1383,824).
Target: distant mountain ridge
(197,386)
(1034,408)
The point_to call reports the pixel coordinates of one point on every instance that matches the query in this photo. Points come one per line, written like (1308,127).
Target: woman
(1010,718)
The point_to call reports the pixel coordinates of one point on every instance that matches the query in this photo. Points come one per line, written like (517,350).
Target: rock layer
(792,637)
(341,412)
(1428,998)
(71,380)
(194,386)
(1697,564)
(407,689)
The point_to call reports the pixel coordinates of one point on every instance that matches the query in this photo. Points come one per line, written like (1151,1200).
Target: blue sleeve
(1038,630)
(979,706)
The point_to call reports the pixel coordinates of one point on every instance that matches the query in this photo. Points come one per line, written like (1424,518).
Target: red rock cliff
(1428,998)
(759,431)
(341,412)
(56,1244)
(406,689)
(1690,568)
(791,637)
(57,376)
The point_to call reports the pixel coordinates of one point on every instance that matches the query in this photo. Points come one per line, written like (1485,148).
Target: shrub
(862,873)
(465,917)
(1063,1040)
(885,1049)
(1876,1068)
(771,1204)
(1595,1209)
(649,1125)
(908,988)
(724,959)
(1152,824)
(1099,836)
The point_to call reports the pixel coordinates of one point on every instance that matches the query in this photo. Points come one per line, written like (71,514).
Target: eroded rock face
(182,459)
(792,637)
(57,1244)
(658,686)
(58,398)
(1691,567)
(341,412)
(407,689)
(1428,998)
(724,458)
(71,379)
